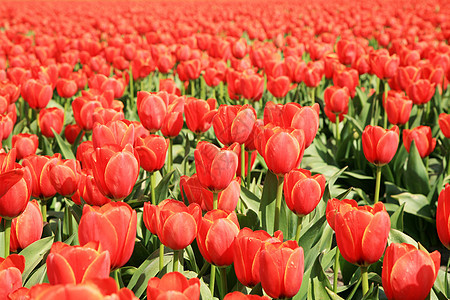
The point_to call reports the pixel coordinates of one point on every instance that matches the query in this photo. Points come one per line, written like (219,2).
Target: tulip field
(229,149)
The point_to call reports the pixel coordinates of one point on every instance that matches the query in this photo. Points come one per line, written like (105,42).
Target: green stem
(299,227)
(202,88)
(243,163)
(364,280)
(377,185)
(223,277)
(276,224)
(116,276)
(386,87)
(131,86)
(203,269)
(336,269)
(215,200)
(213,279)
(355,288)
(338,133)
(213,95)
(420,113)
(44,210)
(152,185)
(448,163)
(249,168)
(192,85)
(198,139)
(176,259)
(313,99)
(7,224)
(161,256)
(170,156)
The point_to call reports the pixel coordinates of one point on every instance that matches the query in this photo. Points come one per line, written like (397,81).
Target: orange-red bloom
(173,285)
(443,216)
(379,144)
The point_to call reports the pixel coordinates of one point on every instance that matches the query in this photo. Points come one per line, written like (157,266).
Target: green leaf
(333,295)
(162,188)
(65,147)
(34,254)
(250,200)
(319,281)
(416,175)
(267,205)
(37,277)
(330,183)
(415,204)
(372,293)
(396,236)
(397,218)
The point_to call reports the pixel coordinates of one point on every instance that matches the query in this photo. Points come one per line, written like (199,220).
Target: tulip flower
(88,190)
(105,115)
(199,114)
(302,193)
(422,138)
(152,109)
(346,77)
(51,118)
(77,264)
(281,269)
(36,93)
(408,272)
(115,170)
(66,88)
(215,167)
(336,99)
(11,269)
(444,124)
(196,193)
(398,109)
(71,133)
(240,296)
(26,228)
(421,91)
(113,226)
(246,253)
(114,132)
(334,206)
(173,122)
(383,65)
(25,143)
(279,86)
(83,109)
(65,176)
(361,235)
(40,166)
(173,285)
(443,216)
(6,125)
(252,86)
(234,123)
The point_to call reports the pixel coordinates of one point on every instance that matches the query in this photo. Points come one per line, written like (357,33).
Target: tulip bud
(379,144)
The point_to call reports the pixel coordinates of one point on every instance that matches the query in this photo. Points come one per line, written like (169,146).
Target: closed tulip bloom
(281,269)
(422,138)
(105,115)
(77,264)
(240,296)
(303,191)
(11,269)
(215,167)
(279,86)
(332,116)
(398,110)
(113,226)
(169,86)
(173,285)
(173,122)
(334,206)
(25,143)
(6,125)
(362,232)
(217,232)
(252,86)
(89,191)
(250,142)
(65,176)
(176,224)
(66,88)
(282,149)
(383,65)
(312,76)
(113,133)
(444,124)
(346,78)
(115,170)
(421,91)
(83,109)
(51,118)
(379,144)
(39,167)
(408,272)
(196,193)
(443,216)
(213,76)
(36,93)
(152,152)
(71,133)
(152,109)
(26,228)
(246,252)
(234,123)
(336,99)
(199,114)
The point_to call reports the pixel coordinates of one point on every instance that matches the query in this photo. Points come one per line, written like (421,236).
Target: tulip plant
(225,150)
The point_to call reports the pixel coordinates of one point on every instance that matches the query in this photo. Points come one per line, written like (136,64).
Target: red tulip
(113,133)
(336,99)
(83,109)
(443,216)
(215,167)
(169,86)
(105,115)
(282,149)
(332,116)
(217,232)
(25,143)
(66,88)
(173,285)
(173,122)
(213,76)
(71,133)
(408,272)
(9,91)
(281,269)
(246,253)
(11,270)
(250,142)
(175,224)
(383,65)
(444,124)
(152,109)
(189,69)
(362,232)
(152,152)
(65,176)
(51,118)
(398,109)
(379,144)
(279,86)
(196,193)
(76,264)
(39,167)
(422,138)
(234,123)
(312,76)
(239,296)
(303,191)
(334,206)
(88,190)
(199,114)
(113,226)
(26,228)
(421,91)
(36,93)
(348,78)
(252,86)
